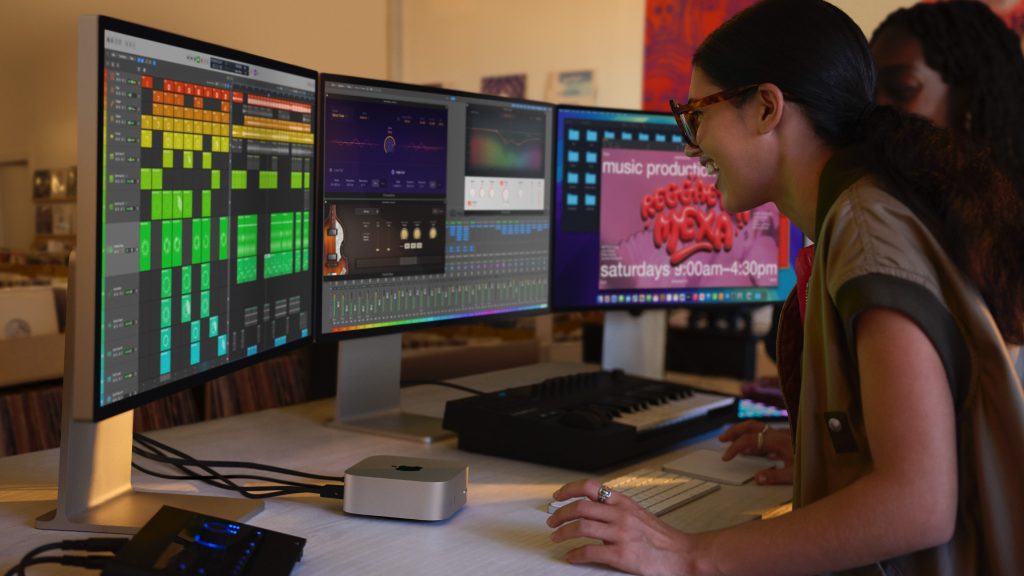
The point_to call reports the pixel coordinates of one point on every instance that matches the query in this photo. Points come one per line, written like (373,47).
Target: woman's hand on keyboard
(631,538)
(775,443)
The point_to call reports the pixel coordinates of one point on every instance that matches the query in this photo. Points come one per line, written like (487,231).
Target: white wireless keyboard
(658,491)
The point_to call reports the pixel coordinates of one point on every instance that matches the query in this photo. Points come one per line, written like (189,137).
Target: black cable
(182,464)
(87,545)
(234,464)
(227,484)
(253,492)
(444,383)
(153,444)
(219,480)
(88,562)
(327,491)
(43,548)
(200,477)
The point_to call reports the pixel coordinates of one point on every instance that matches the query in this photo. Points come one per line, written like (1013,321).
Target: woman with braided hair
(960,66)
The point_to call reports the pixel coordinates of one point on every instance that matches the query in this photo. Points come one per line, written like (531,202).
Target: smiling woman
(901,390)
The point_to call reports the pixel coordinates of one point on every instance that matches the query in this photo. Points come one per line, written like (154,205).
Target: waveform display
(385,148)
(378,306)
(505,142)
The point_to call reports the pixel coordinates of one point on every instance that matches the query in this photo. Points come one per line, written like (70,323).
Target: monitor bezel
(322,336)
(107,23)
(633,307)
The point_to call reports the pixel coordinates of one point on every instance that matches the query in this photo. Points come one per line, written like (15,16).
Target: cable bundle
(159,452)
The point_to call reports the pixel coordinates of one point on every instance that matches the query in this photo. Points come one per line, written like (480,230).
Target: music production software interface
(638,222)
(206,199)
(435,206)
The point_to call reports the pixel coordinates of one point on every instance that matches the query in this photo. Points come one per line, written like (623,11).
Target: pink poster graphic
(663,227)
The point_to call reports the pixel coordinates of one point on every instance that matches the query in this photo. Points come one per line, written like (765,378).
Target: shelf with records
(54,193)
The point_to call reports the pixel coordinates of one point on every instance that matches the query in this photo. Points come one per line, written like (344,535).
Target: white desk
(501,529)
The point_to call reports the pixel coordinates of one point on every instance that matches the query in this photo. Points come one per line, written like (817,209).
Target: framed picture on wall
(510,86)
(55,183)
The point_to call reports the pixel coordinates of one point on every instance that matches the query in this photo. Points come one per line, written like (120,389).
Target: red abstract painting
(674,29)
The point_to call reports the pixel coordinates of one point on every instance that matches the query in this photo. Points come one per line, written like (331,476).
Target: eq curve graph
(505,143)
(385,148)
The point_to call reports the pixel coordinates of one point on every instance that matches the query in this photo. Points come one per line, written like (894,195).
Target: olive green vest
(872,250)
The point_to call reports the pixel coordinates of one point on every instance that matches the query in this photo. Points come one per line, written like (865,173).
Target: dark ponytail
(808,48)
(820,60)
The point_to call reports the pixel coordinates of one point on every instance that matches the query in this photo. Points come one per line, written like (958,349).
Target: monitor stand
(634,342)
(369,392)
(94,483)
(94,490)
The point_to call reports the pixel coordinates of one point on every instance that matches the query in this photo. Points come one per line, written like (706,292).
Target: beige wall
(870,13)
(38,45)
(451,41)
(457,42)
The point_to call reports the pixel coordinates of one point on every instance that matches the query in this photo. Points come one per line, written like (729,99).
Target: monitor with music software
(638,225)
(434,208)
(196,189)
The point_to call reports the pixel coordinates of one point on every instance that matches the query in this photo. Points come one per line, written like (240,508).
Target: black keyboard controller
(577,421)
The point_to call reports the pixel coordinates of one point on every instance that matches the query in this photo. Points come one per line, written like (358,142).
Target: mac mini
(406,487)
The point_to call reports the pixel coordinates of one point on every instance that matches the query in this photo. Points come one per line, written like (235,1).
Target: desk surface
(501,529)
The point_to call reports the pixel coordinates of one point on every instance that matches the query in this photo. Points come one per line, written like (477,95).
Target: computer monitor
(434,208)
(196,190)
(640,226)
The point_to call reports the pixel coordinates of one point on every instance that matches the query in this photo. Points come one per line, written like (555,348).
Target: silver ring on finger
(603,494)
(760,437)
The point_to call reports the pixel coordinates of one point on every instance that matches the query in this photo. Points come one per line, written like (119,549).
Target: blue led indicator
(212,545)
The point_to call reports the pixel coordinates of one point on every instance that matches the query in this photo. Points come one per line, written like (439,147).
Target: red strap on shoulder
(804,261)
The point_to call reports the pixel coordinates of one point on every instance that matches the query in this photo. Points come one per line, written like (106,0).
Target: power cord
(159,452)
(89,561)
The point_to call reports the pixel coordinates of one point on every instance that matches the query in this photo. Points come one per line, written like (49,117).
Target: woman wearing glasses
(958,65)
(908,416)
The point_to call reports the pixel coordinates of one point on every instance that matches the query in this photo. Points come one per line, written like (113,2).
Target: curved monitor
(434,206)
(196,188)
(637,224)
(202,165)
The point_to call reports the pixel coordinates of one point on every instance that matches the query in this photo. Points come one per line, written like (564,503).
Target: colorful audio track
(194,167)
(188,130)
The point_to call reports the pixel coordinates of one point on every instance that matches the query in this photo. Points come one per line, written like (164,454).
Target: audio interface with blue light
(179,541)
